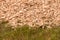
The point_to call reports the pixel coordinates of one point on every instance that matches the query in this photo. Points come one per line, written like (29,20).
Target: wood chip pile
(30,12)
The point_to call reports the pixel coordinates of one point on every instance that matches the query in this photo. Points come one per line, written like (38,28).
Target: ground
(26,33)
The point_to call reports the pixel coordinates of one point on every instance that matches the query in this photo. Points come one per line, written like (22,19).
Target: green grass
(24,33)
